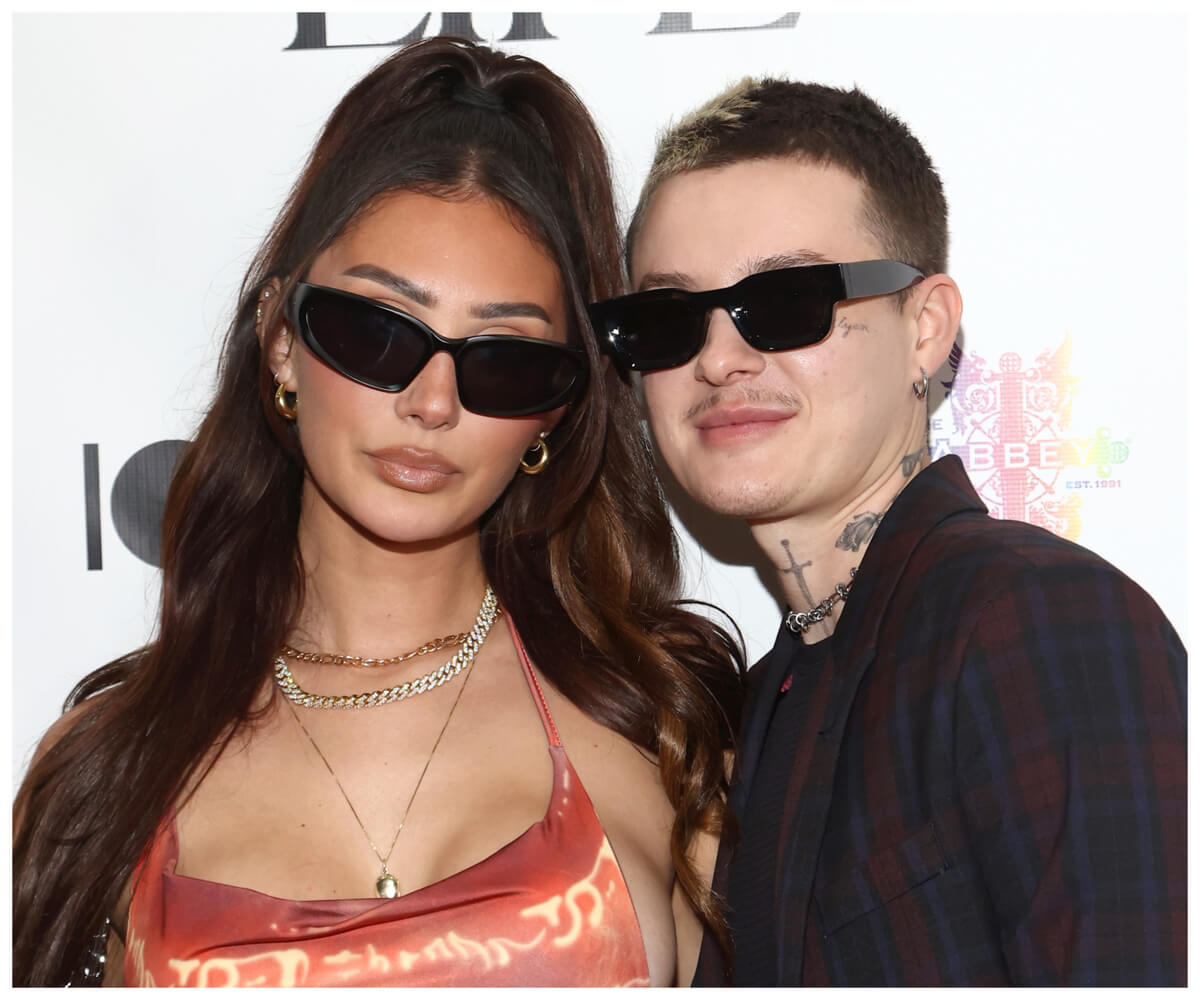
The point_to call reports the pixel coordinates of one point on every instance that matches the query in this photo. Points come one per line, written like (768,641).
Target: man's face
(766,436)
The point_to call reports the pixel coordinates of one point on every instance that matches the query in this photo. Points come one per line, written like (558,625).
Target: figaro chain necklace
(489,611)
(346,660)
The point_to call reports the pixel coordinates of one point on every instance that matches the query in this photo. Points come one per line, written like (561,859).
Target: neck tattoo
(797,571)
(799,622)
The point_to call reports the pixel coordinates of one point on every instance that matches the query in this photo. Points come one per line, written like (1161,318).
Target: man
(963,762)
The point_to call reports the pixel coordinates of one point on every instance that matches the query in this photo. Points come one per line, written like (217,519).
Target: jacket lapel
(938,492)
(762,696)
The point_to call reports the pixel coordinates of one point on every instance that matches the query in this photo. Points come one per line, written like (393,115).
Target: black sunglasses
(772,310)
(498,375)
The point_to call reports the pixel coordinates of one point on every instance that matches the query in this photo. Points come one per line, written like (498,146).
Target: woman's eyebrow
(419,294)
(424,297)
(502,310)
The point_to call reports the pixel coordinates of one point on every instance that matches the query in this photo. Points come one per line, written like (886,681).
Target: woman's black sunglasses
(498,375)
(772,310)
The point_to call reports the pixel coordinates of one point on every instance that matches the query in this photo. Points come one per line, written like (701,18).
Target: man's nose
(725,357)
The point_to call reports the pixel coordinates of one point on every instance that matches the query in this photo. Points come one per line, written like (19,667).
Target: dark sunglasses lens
(513,378)
(781,310)
(654,330)
(367,344)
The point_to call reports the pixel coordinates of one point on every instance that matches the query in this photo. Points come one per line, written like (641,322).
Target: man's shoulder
(965,568)
(1001,553)
(940,538)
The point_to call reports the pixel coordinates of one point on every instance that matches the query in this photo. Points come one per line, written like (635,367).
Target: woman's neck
(368,597)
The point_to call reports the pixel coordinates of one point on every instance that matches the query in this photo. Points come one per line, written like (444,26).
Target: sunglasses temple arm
(876,277)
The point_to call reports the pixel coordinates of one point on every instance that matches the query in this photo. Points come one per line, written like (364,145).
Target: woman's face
(414,466)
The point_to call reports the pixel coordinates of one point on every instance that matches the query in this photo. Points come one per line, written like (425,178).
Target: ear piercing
(258,313)
(922,390)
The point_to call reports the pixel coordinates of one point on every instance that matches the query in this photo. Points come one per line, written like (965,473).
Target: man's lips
(733,416)
(413,468)
(735,424)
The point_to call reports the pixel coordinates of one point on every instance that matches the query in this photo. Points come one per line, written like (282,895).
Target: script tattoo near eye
(846,326)
(858,531)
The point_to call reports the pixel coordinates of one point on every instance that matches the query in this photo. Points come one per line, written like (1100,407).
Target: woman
(351,512)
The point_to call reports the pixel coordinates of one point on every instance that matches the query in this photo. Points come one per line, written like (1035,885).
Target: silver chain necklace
(488,613)
(799,622)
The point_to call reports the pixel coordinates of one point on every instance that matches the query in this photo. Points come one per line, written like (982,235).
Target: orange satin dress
(551,908)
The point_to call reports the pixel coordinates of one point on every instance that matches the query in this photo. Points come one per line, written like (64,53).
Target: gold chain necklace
(346,660)
(386,886)
(489,611)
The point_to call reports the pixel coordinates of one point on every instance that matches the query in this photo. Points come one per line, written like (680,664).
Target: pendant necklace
(386,885)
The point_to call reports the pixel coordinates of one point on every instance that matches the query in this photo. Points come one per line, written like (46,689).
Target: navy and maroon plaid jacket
(982,779)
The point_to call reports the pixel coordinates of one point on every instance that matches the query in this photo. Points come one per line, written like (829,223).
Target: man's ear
(937,304)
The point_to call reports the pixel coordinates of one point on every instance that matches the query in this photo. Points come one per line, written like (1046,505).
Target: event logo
(1010,428)
(139,494)
(312,29)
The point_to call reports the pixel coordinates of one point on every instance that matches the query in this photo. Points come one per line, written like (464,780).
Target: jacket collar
(940,491)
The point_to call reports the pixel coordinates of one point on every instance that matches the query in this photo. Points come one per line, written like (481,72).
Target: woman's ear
(274,333)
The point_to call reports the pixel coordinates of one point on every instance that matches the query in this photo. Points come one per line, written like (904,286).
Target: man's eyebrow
(665,279)
(755,265)
(419,294)
(796,258)
(422,296)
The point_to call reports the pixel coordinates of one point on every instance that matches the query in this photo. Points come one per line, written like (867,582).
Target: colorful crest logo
(1010,425)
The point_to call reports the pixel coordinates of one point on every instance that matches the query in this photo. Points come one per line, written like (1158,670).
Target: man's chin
(749,501)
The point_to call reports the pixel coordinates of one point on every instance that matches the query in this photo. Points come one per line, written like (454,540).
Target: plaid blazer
(994,787)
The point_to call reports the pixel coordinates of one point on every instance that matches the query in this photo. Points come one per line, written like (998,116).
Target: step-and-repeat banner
(152,151)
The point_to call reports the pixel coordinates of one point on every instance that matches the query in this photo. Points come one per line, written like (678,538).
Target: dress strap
(534,687)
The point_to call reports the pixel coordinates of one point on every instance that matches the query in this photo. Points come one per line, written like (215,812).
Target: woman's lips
(728,424)
(414,469)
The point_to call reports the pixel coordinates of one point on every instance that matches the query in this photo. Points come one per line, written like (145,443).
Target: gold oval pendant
(386,887)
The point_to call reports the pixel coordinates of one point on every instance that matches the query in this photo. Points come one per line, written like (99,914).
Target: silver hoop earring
(538,465)
(922,391)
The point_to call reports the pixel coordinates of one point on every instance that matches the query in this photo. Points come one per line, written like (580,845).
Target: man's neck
(815,551)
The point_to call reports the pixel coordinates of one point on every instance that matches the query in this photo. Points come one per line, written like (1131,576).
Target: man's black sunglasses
(498,375)
(772,310)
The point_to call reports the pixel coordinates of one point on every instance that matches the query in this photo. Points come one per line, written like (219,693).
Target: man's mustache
(727,397)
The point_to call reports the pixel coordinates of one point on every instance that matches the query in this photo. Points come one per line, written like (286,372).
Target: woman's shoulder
(71,719)
(52,739)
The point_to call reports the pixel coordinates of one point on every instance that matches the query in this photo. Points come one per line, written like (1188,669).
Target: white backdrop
(152,151)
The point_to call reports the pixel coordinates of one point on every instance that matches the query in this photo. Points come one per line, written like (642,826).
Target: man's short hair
(904,206)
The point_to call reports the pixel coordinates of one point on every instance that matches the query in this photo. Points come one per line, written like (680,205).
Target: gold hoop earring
(281,403)
(923,391)
(539,464)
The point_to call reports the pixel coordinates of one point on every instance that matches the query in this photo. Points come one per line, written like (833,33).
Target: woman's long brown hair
(582,557)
